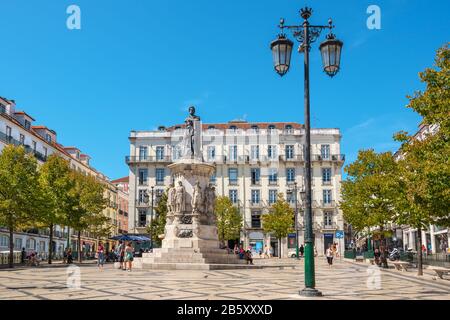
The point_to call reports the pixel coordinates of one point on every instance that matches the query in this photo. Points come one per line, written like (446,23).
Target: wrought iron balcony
(255,204)
(147,159)
(293,158)
(328,204)
(329,157)
(327,226)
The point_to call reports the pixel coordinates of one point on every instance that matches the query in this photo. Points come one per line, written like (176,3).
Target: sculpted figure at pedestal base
(180,198)
(210,193)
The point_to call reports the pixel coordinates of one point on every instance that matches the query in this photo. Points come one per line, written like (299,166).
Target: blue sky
(138,64)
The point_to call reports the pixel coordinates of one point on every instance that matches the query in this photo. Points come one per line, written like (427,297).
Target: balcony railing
(142,204)
(147,159)
(255,204)
(327,226)
(293,158)
(328,204)
(330,157)
(10,140)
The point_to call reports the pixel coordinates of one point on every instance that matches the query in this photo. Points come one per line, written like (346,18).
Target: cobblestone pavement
(345,280)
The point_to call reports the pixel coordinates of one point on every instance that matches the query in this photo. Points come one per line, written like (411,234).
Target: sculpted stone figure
(171,195)
(180,198)
(197,199)
(189,137)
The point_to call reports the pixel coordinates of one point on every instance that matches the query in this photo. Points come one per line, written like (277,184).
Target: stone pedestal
(190,237)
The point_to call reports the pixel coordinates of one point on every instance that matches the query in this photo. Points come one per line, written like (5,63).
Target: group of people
(124,255)
(31,259)
(243,254)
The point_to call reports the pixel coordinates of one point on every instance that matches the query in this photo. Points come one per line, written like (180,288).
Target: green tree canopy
(156,228)
(19,194)
(229,219)
(55,184)
(369,193)
(280,220)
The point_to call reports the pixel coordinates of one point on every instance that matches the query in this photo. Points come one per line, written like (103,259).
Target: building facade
(17,128)
(122,202)
(254,163)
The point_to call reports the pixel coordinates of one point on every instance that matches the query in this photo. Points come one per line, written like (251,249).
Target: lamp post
(330,50)
(151,218)
(296,221)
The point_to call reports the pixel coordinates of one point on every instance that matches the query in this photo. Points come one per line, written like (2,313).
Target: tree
(280,220)
(18,191)
(424,162)
(229,220)
(370,191)
(55,184)
(86,205)
(158,224)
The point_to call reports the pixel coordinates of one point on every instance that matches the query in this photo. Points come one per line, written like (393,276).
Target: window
(34,146)
(2,108)
(4,241)
(160,175)
(41,246)
(328,218)
(326,175)
(254,152)
(326,196)
(255,129)
(271,128)
(18,244)
(22,139)
(288,128)
(143,196)
(27,124)
(273,175)
(31,244)
(142,153)
(233,175)
(45,152)
(160,153)
(8,132)
(256,219)
(211,128)
(211,153)
(325,151)
(233,194)
(142,216)
(212,179)
(272,151)
(143,177)
(233,152)
(158,194)
(176,152)
(290,196)
(233,128)
(272,196)
(48,137)
(255,175)
(289,152)
(256,196)
(290,175)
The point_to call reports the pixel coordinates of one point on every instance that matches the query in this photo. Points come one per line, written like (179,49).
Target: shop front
(256,242)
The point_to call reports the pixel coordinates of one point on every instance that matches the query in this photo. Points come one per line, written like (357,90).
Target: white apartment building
(254,162)
(17,128)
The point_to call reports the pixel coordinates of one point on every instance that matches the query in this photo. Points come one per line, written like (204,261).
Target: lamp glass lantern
(281,51)
(331,54)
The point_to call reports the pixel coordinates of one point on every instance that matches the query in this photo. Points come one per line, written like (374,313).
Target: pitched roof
(124,179)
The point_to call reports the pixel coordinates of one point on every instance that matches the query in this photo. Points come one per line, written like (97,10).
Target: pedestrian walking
(100,255)
(266,252)
(329,255)
(301,250)
(69,256)
(129,251)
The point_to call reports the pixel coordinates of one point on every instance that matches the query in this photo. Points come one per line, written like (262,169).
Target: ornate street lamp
(331,54)
(331,49)
(281,51)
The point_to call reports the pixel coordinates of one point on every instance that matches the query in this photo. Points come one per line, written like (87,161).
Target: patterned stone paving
(346,280)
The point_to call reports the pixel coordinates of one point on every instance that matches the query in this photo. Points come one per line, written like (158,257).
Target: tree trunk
(79,246)
(11,244)
(50,245)
(419,253)
(279,248)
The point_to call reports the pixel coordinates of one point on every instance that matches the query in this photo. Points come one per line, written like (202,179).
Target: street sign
(339,234)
